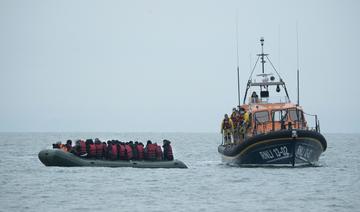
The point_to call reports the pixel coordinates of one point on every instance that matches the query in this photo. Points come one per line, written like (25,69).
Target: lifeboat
(276,131)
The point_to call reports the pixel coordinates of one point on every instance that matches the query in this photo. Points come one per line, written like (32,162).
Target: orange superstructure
(274,116)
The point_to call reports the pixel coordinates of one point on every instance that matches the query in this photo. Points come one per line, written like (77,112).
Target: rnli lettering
(277,152)
(303,152)
(266,155)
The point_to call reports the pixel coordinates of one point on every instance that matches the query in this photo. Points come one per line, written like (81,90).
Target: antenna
(262,53)
(297,58)
(237,57)
(279,48)
(250,60)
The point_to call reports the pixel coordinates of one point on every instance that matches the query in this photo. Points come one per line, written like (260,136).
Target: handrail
(317,122)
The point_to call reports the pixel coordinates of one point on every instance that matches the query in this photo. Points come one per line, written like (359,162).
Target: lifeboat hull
(280,148)
(56,157)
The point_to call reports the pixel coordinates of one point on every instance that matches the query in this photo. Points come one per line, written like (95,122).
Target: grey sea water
(207,185)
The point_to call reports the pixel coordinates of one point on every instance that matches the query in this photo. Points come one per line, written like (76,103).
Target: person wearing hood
(168,153)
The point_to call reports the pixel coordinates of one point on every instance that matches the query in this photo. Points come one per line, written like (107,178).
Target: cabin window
(279,115)
(294,116)
(261,117)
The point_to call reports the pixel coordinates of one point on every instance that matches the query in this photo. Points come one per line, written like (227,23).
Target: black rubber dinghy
(56,157)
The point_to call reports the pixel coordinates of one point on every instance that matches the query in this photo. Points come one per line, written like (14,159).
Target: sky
(169,66)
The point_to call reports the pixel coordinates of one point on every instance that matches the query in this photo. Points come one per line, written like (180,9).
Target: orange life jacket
(63,147)
(128,152)
(113,152)
(158,153)
(151,151)
(82,147)
(92,150)
(121,150)
(140,149)
(99,150)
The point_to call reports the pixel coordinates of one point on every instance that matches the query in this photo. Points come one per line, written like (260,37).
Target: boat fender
(294,134)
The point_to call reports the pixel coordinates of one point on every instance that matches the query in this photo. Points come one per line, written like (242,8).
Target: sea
(207,185)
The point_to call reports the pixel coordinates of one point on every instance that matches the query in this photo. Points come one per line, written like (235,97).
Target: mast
(297,58)
(265,84)
(237,57)
(262,54)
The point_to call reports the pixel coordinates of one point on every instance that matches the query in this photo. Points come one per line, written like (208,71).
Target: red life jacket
(151,151)
(121,152)
(99,150)
(140,149)
(158,152)
(169,153)
(92,150)
(113,153)
(129,153)
(82,147)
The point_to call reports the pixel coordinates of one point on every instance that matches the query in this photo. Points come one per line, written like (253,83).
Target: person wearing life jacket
(68,145)
(227,129)
(92,149)
(57,145)
(140,150)
(247,120)
(242,126)
(150,151)
(104,150)
(233,115)
(108,150)
(80,148)
(168,153)
(88,142)
(114,151)
(99,148)
(134,150)
(235,118)
(158,152)
(254,97)
(128,151)
(63,147)
(121,151)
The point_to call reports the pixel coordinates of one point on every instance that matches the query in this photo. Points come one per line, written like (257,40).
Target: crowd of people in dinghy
(117,150)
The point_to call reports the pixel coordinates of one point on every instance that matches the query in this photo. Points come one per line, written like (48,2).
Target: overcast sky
(169,66)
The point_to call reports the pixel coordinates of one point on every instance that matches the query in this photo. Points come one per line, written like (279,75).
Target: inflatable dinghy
(57,157)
